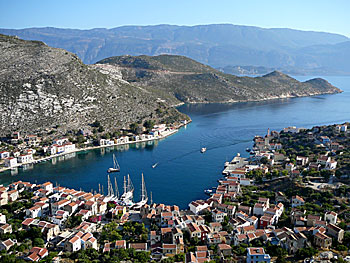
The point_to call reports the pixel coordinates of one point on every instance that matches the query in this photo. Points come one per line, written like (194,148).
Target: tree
(264,160)
(149,124)
(96,124)
(133,127)
(38,242)
(303,253)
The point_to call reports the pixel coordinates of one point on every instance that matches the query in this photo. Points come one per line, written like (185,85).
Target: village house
(10,162)
(331,165)
(12,195)
(322,240)
(255,254)
(323,159)
(60,141)
(139,246)
(4,154)
(25,158)
(59,205)
(7,244)
(335,232)
(297,201)
(197,206)
(331,217)
(302,161)
(73,244)
(218,216)
(224,250)
(6,228)
(36,254)
(341,128)
(290,167)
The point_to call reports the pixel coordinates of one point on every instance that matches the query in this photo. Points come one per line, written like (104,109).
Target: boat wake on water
(208,148)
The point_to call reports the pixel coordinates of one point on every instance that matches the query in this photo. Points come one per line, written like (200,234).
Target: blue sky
(317,15)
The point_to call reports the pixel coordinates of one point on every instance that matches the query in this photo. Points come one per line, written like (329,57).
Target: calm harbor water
(183,172)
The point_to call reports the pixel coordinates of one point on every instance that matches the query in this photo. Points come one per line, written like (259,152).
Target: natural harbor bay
(183,172)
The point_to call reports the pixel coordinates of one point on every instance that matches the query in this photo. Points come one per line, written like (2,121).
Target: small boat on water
(154,165)
(116,167)
(208,191)
(203,150)
(248,150)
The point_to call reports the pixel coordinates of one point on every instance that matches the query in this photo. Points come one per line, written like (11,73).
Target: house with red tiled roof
(7,244)
(37,254)
(5,228)
(59,205)
(257,254)
(322,240)
(335,232)
(218,216)
(139,246)
(73,244)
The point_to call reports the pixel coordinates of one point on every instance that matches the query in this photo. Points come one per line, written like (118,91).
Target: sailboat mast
(130,186)
(142,189)
(110,187)
(151,199)
(116,187)
(124,184)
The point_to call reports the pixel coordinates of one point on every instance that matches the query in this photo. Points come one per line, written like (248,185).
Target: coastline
(43,159)
(261,100)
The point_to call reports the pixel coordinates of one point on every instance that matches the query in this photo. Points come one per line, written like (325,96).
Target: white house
(10,162)
(73,244)
(4,154)
(61,141)
(69,147)
(323,159)
(331,165)
(197,206)
(52,149)
(25,158)
(124,139)
(331,217)
(301,160)
(34,212)
(218,216)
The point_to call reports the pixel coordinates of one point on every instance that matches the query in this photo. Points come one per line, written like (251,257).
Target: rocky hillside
(180,79)
(43,87)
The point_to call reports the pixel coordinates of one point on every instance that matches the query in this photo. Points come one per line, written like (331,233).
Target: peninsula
(49,91)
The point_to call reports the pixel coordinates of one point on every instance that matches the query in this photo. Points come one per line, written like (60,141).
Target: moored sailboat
(144,197)
(116,167)
(128,194)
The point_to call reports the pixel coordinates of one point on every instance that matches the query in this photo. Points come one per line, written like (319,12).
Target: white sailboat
(128,192)
(154,165)
(144,198)
(116,167)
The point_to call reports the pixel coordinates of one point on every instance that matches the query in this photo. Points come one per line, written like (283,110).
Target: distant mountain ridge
(180,79)
(215,45)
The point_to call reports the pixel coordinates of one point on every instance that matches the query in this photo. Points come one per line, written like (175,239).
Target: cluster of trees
(130,231)
(117,255)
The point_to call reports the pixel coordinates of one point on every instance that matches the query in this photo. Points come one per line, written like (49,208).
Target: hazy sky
(318,15)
